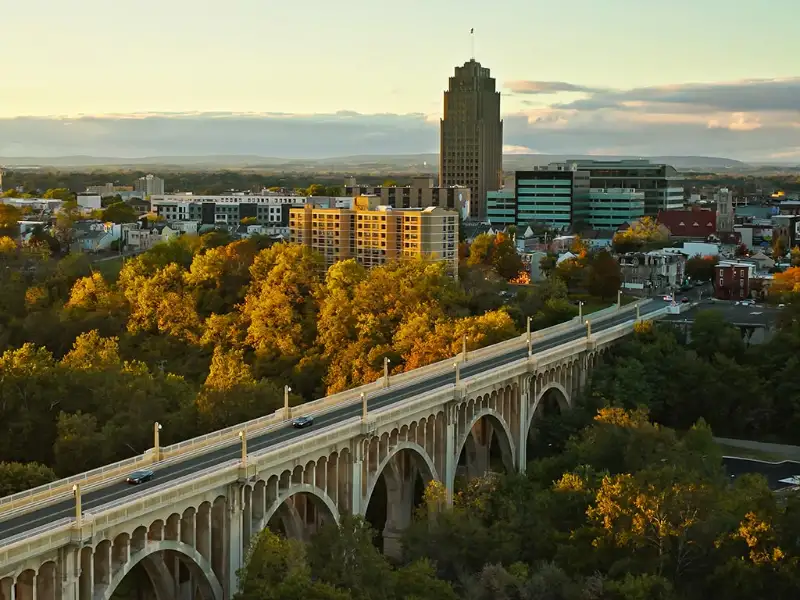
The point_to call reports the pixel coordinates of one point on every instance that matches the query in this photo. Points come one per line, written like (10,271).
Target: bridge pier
(235,549)
(400,478)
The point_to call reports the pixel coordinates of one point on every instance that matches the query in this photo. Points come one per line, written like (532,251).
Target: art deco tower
(471,136)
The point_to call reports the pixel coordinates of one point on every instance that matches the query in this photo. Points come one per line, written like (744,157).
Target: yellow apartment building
(374,234)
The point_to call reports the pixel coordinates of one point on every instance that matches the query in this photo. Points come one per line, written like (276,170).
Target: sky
(315,78)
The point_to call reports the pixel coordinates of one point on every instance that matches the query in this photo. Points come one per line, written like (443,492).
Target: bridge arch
(422,460)
(284,508)
(190,557)
(499,426)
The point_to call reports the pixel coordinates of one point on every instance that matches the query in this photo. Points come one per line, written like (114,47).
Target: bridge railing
(45,494)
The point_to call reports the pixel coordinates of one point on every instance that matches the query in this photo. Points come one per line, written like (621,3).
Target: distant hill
(418,163)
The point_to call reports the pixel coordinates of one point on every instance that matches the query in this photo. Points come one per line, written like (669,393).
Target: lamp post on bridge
(619,299)
(638,312)
(363,406)
(386,361)
(286,390)
(529,337)
(588,329)
(464,347)
(243,437)
(156,442)
(580,311)
(458,373)
(76,492)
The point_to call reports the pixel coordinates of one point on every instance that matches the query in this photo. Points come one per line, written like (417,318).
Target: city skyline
(580,87)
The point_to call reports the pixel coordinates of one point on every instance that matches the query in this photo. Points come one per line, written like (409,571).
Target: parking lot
(756,315)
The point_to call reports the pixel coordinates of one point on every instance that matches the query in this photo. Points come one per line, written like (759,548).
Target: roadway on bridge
(98,497)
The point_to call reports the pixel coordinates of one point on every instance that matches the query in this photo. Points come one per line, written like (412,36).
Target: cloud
(546,87)
(518,150)
(755,120)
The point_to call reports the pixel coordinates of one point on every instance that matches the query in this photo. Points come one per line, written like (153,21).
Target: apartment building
(267,209)
(420,194)
(149,185)
(373,233)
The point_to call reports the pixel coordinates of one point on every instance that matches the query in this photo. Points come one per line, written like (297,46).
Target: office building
(267,209)
(149,185)
(610,208)
(374,234)
(420,194)
(556,196)
(662,184)
(471,135)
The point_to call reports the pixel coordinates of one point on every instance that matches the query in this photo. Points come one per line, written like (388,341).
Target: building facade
(662,184)
(420,194)
(732,280)
(471,135)
(268,209)
(374,234)
(723,198)
(608,208)
(149,185)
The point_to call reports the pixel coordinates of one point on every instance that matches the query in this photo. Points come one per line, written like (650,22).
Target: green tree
(18,477)
(59,194)
(9,217)
(701,268)
(505,259)
(120,212)
(605,277)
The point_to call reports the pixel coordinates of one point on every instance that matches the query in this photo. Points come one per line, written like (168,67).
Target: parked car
(138,477)
(684,300)
(301,422)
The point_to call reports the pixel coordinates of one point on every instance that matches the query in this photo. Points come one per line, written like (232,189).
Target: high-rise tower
(471,135)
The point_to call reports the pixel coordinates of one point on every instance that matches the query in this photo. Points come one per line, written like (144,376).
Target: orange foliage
(787,282)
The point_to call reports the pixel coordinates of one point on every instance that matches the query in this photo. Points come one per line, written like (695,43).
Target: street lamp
(588,329)
(458,372)
(363,406)
(464,347)
(286,390)
(619,299)
(156,442)
(580,310)
(76,492)
(243,437)
(386,361)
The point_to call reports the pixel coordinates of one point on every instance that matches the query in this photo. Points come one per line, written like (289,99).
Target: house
(658,271)
(140,240)
(695,224)
(96,240)
(598,239)
(142,207)
(732,280)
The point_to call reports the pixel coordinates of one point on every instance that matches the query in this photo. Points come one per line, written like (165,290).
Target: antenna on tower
(472,42)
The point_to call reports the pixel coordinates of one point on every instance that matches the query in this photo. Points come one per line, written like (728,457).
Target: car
(301,422)
(668,298)
(138,477)
(685,300)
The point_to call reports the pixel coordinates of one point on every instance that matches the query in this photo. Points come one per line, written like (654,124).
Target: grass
(593,303)
(738,452)
(109,269)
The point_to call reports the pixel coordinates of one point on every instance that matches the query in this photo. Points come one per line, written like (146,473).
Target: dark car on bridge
(301,422)
(138,477)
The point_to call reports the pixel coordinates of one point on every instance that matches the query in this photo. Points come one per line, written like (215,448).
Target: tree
(120,212)
(66,217)
(315,189)
(18,477)
(701,268)
(643,234)
(795,254)
(605,277)
(249,221)
(276,569)
(505,259)
(59,194)
(9,217)
(480,250)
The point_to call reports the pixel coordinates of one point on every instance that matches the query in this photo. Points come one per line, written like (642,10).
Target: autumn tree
(701,268)
(605,277)
(9,217)
(505,258)
(643,234)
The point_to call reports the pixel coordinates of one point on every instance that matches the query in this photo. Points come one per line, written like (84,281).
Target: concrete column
(69,566)
(450,455)
(247,518)
(235,539)
(399,478)
(86,582)
(203,533)
(356,484)
(522,434)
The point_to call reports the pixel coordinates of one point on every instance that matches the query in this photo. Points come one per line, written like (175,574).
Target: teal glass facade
(501,208)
